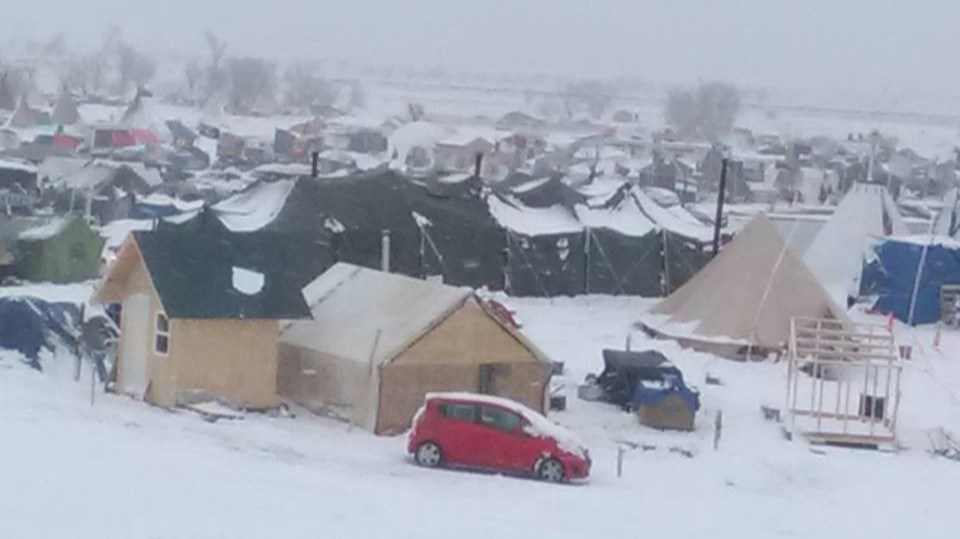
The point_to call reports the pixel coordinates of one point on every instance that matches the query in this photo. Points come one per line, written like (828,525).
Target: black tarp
(683,258)
(546,265)
(624,265)
(623,369)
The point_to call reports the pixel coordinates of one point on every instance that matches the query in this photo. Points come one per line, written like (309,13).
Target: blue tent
(29,324)
(890,274)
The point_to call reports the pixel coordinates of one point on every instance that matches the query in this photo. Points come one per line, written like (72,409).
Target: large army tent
(740,304)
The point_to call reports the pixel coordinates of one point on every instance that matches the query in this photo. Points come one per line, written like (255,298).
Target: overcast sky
(872,45)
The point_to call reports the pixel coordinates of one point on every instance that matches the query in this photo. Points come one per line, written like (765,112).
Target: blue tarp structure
(631,379)
(29,324)
(889,276)
(650,393)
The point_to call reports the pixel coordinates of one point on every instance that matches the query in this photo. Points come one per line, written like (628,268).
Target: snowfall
(112,467)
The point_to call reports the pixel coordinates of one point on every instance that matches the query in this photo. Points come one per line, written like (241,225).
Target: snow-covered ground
(123,469)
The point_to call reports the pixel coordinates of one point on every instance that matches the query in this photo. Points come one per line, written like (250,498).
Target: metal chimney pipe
(385,250)
(722,192)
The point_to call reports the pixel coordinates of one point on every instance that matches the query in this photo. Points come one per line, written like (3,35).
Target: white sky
(876,46)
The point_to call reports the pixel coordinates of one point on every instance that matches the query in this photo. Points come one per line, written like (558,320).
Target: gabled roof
(196,275)
(351,305)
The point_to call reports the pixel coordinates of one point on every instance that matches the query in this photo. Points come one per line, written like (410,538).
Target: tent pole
(720,194)
(916,279)
(586,261)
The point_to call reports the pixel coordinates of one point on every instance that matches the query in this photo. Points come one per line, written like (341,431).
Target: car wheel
(551,470)
(428,454)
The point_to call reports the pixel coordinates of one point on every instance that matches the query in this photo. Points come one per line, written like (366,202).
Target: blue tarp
(651,393)
(889,276)
(29,324)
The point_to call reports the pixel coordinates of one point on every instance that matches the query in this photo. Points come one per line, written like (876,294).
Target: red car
(493,433)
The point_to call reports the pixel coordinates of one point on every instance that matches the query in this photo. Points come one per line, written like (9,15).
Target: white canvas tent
(836,255)
(379,342)
(740,304)
(947,222)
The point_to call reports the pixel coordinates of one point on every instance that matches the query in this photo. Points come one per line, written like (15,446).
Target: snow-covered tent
(740,304)
(379,342)
(624,251)
(545,254)
(947,222)
(65,111)
(903,276)
(836,254)
(411,146)
(142,121)
(436,228)
(24,116)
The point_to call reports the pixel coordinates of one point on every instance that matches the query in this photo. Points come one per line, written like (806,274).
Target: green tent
(58,250)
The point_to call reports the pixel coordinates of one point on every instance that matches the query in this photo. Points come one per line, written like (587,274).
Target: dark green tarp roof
(193,273)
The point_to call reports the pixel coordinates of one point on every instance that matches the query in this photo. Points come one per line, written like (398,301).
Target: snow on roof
(14,164)
(352,305)
(115,232)
(53,168)
(530,185)
(159,199)
(93,173)
(601,187)
(455,178)
(669,220)
(246,281)
(466,135)
(540,425)
(284,169)
(533,221)
(256,207)
(412,135)
(627,218)
(47,230)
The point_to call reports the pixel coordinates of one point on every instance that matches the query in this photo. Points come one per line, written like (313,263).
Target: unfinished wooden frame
(843,382)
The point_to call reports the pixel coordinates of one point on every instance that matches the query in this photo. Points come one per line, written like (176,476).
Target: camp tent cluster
(526,242)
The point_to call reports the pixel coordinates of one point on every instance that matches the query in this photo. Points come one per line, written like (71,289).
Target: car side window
(499,418)
(458,411)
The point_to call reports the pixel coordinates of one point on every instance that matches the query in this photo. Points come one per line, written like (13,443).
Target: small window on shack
(459,411)
(161,339)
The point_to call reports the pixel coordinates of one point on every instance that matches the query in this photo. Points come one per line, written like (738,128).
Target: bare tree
(593,95)
(8,96)
(306,89)
(358,96)
(193,73)
(216,75)
(251,81)
(133,67)
(708,111)
(14,83)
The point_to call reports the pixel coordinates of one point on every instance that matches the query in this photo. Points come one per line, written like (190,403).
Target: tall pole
(720,195)
(314,164)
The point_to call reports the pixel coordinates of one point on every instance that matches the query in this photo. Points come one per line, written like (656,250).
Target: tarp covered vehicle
(634,379)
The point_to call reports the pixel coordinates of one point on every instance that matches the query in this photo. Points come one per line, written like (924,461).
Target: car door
(502,438)
(459,434)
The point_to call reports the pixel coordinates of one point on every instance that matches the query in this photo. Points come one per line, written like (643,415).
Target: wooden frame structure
(843,383)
